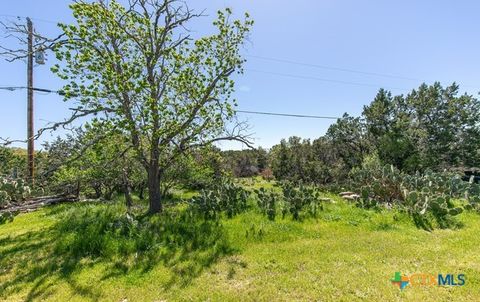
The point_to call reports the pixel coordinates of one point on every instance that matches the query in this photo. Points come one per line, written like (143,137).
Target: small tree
(138,69)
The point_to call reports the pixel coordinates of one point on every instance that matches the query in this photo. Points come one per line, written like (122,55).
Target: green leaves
(431,127)
(137,69)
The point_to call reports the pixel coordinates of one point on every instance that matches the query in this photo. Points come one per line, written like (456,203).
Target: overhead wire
(332,68)
(289,75)
(325,67)
(59,92)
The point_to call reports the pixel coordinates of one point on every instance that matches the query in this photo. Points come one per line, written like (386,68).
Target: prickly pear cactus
(223,197)
(427,197)
(300,199)
(267,202)
(13,190)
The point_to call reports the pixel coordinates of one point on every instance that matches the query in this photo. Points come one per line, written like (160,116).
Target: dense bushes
(244,163)
(231,199)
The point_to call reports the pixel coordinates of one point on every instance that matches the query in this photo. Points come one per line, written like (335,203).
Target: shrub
(6,217)
(382,184)
(267,174)
(425,207)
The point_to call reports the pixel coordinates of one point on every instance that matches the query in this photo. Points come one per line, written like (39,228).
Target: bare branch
(18,31)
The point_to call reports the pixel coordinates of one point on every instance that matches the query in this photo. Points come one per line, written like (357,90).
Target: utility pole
(30,138)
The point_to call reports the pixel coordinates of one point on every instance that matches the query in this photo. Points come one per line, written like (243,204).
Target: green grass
(93,252)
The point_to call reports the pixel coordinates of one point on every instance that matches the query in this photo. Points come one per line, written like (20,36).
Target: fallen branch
(35,204)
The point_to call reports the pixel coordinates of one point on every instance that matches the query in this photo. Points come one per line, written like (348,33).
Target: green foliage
(6,217)
(376,183)
(166,92)
(224,196)
(196,171)
(425,207)
(431,127)
(83,163)
(129,241)
(349,137)
(304,161)
(196,258)
(244,163)
(13,162)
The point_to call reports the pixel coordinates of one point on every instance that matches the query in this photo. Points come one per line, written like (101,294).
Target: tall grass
(177,238)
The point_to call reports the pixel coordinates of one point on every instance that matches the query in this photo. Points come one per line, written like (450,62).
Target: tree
(431,127)
(378,115)
(280,160)
(387,123)
(349,137)
(245,163)
(138,69)
(444,126)
(80,164)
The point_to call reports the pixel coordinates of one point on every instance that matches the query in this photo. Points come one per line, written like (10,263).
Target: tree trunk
(154,194)
(109,190)
(140,192)
(77,189)
(98,190)
(127,190)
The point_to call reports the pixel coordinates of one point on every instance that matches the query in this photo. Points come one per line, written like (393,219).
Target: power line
(393,76)
(333,68)
(33,18)
(346,70)
(289,115)
(12,88)
(293,62)
(325,80)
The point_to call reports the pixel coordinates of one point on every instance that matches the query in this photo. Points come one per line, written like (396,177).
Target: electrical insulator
(40,57)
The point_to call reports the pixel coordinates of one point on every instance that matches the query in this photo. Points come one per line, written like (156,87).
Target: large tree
(350,139)
(138,69)
(431,127)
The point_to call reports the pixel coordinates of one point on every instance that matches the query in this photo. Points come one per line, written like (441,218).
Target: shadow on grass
(86,235)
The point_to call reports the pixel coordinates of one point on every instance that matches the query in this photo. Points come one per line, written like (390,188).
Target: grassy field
(63,253)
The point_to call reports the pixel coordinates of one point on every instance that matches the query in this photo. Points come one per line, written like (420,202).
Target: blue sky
(416,41)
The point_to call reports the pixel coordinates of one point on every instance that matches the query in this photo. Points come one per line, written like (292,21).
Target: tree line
(431,128)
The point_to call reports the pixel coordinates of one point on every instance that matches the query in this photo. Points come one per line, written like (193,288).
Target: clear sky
(415,41)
